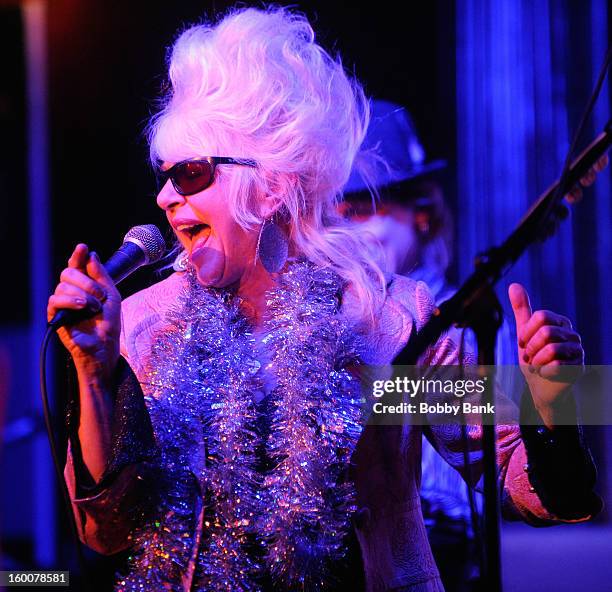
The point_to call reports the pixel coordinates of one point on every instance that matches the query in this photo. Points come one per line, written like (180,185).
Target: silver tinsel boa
(271,471)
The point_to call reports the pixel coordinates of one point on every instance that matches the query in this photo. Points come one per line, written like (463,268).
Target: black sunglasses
(196,174)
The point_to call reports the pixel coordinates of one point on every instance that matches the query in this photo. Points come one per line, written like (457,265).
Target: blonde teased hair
(257,85)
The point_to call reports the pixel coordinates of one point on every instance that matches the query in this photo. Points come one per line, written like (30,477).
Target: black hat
(392,136)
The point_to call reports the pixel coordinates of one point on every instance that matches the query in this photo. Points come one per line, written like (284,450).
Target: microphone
(142,245)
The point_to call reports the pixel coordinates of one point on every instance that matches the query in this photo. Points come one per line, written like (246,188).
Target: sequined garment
(291,519)
(385,465)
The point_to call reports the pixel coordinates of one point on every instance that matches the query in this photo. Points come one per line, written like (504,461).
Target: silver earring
(272,246)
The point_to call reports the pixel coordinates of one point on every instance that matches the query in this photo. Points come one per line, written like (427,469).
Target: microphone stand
(475,305)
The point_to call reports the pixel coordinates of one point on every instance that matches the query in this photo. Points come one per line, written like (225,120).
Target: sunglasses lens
(193,177)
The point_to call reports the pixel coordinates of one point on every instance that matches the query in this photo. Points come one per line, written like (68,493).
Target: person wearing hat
(414,226)
(411,220)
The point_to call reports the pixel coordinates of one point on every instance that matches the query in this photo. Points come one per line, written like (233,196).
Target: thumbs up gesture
(546,341)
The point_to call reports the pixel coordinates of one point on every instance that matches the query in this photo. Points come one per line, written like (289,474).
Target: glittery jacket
(388,522)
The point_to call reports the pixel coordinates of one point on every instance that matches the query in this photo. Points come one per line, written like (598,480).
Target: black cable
(57,463)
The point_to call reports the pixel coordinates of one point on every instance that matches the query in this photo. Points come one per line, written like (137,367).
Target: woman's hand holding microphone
(93,344)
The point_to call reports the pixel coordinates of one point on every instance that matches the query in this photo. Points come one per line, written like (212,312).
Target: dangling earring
(272,246)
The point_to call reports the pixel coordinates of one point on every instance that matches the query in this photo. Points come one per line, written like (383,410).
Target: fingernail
(80,301)
(95,257)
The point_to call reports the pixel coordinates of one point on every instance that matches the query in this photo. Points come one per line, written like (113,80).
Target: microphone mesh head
(149,238)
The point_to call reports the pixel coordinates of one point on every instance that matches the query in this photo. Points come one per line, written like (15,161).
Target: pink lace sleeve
(519,498)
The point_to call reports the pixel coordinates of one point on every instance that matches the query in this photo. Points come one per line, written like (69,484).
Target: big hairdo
(257,85)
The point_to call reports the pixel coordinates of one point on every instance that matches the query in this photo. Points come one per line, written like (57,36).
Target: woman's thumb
(519,299)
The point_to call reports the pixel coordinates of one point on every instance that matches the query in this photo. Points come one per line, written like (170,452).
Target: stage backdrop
(525,71)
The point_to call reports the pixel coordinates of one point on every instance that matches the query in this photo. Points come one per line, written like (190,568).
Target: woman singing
(219,436)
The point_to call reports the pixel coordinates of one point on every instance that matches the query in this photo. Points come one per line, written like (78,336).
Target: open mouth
(196,233)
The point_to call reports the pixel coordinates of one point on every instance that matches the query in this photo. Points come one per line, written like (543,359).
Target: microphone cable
(57,463)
